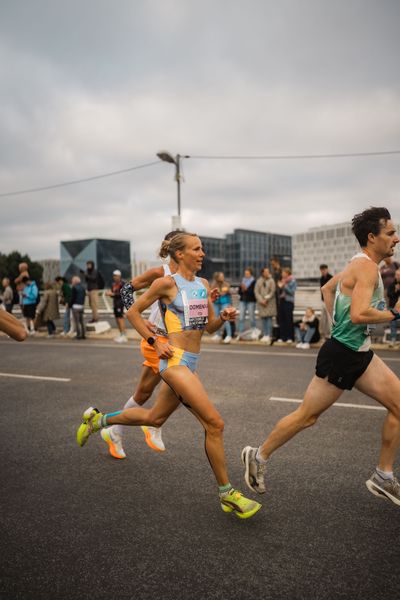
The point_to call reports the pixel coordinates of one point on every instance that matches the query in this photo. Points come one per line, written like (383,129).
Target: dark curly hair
(370,220)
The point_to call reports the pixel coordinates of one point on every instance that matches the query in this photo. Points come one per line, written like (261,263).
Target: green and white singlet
(355,336)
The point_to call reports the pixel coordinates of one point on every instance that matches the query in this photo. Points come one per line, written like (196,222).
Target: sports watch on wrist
(151,341)
(395,313)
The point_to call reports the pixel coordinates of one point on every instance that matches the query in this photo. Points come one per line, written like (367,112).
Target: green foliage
(9,267)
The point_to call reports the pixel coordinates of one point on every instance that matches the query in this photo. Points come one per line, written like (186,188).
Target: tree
(9,267)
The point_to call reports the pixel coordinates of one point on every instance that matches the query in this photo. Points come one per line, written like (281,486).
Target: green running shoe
(91,422)
(234,501)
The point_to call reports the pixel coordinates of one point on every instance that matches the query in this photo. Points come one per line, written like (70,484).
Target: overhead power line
(202,157)
(298,156)
(76,181)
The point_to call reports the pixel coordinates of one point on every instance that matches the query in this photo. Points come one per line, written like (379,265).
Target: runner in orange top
(149,377)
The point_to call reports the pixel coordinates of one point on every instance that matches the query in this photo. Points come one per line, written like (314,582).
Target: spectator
(265,292)
(287,288)
(388,270)
(276,272)
(29,299)
(223,300)
(393,293)
(92,284)
(19,286)
(307,330)
(115,294)
(326,321)
(47,311)
(65,298)
(247,303)
(7,295)
(23,272)
(78,302)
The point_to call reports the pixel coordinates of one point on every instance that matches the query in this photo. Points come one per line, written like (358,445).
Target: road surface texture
(77,524)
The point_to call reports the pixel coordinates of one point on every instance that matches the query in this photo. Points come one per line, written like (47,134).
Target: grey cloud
(89,88)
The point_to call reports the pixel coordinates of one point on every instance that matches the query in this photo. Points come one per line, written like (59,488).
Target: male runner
(355,300)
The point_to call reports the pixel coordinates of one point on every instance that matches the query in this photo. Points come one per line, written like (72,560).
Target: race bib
(195,308)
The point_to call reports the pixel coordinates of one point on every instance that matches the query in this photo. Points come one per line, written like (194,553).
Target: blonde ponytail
(175,243)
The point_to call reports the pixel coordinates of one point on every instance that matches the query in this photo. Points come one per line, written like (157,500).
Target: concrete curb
(132,335)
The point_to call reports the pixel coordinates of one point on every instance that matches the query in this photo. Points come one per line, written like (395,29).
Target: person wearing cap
(115,294)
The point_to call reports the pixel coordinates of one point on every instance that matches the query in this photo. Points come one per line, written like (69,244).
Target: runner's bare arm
(328,292)
(361,310)
(12,327)
(146,279)
(161,288)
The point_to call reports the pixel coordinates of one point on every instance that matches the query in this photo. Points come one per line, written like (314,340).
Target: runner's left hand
(228,314)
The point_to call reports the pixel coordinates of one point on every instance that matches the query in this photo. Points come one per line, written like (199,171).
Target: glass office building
(215,249)
(107,256)
(244,248)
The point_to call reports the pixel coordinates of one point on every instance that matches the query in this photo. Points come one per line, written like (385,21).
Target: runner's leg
(380,383)
(166,403)
(319,396)
(147,383)
(189,387)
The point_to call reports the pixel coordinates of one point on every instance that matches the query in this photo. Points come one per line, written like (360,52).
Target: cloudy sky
(89,87)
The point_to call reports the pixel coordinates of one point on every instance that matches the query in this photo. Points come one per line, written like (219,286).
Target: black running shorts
(29,311)
(341,365)
(118,312)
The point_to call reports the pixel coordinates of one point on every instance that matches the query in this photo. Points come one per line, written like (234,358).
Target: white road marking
(340,404)
(135,345)
(42,378)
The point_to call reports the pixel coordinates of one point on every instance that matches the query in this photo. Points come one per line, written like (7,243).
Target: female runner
(188,311)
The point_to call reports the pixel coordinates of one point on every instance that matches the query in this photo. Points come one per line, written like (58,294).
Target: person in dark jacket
(307,329)
(115,294)
(92,284)
(287,286)
(247,301)
(65,300)
(78,303)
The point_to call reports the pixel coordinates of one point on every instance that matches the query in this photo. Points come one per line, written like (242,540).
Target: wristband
(395,313)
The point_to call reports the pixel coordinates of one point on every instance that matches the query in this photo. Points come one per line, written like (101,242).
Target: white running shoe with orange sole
(114,442)
(153,438)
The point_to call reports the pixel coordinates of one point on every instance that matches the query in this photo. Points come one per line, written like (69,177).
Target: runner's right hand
(163,349)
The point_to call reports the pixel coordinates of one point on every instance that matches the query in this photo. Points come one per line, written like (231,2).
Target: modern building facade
(51,269)
(107,255)
(244,248)
(333,245)
(215,258)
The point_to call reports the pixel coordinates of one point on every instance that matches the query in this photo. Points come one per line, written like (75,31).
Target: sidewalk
(132,335)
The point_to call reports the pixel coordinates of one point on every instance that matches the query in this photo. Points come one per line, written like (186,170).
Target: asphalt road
(77,524)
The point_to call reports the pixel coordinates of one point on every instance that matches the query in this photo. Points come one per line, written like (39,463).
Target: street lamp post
(167,157)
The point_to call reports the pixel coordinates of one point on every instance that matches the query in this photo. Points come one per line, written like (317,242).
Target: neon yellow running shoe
(234,501)
(91,422)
